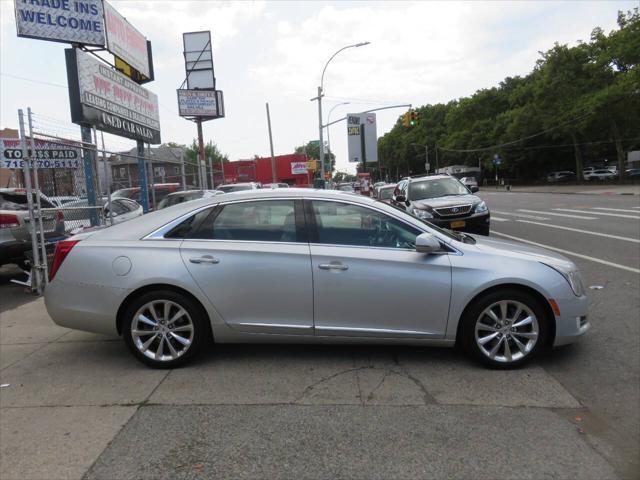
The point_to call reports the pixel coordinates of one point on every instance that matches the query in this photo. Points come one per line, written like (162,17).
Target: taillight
(62,250)
(8,220)
(59,216)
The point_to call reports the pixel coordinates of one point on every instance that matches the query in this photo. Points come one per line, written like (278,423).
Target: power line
(33,81)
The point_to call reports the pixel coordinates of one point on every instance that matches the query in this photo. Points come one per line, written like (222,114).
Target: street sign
(358,124)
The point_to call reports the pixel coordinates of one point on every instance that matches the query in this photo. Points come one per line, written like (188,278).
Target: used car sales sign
(109,101)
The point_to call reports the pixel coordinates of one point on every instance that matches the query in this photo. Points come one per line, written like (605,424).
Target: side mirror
(427,243)
(401,198)
(474,189)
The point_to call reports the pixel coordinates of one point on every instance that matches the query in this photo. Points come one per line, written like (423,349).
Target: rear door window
(260,221)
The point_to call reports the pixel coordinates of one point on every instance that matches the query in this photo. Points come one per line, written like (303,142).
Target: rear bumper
(79,306)
(477,223)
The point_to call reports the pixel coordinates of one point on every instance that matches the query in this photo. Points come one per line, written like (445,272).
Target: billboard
(200,103)
(61,21)
(109,101)
(357,125)
(198,60)
(125,41)
(298,168)
(46,155)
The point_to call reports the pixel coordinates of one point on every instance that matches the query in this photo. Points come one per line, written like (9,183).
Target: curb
(565,193)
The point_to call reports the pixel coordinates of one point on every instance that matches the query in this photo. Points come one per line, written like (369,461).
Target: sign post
(200,101)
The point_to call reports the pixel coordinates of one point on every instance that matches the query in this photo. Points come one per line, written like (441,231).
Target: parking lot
(78,405)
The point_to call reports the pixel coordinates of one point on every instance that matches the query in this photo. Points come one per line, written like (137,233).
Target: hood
(448,201)
(494,246)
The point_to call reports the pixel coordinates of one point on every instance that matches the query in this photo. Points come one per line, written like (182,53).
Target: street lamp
(319,98)
(328,122)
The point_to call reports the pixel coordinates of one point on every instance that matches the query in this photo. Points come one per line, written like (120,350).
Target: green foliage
(578,106)
(312,150)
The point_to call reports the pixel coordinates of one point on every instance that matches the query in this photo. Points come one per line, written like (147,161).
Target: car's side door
(368,279)
(252,260)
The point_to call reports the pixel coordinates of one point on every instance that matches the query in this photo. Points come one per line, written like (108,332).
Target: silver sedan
(298,265)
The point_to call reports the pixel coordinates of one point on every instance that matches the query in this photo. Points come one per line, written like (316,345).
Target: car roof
(140,227)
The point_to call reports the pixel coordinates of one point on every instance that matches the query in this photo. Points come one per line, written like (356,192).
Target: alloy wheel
(162,330)
(506,331)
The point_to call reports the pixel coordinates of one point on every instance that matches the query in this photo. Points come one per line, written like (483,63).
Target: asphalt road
(79,406)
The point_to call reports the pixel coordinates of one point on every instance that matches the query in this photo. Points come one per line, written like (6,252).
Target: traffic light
(415,116)
(406,119)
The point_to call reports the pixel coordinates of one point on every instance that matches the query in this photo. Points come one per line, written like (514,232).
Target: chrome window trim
(159,233)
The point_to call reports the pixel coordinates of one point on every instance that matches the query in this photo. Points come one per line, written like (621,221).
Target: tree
(211,150)
(312,150)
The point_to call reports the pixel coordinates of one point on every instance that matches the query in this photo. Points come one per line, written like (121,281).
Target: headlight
(481,207)
(421,213)
(572,277)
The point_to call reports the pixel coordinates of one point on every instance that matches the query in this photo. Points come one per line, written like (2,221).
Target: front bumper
(573,321)
(476,223)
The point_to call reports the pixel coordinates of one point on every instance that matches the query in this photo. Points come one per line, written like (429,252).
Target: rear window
(18,201)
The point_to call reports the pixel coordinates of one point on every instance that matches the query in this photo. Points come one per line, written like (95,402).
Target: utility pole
(273,158)
(211,173)
(321,143)
(184,179)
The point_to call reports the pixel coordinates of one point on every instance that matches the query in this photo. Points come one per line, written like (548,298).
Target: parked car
(633,172)
(159,190)
(186,196)
(470,182)
(275,185)
(15,233)
(311,266)
(600,174)
(385,193)
(238,187)
(563,176)
(78,213)
(346,187)
(443,201)
(59,201)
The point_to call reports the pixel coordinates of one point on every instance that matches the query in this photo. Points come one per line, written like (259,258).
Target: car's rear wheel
(164,329)
(505,328)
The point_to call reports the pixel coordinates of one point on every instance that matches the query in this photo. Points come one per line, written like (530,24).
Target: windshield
(122,193)
(433,188)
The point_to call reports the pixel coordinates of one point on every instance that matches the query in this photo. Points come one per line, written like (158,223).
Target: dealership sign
(125,42)
(46,155)
(200,103)
(71,21)
(109,101)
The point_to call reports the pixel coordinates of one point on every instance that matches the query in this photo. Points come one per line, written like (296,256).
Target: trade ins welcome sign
(69,21)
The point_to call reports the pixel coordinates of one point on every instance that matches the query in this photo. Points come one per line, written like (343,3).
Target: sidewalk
(601,189)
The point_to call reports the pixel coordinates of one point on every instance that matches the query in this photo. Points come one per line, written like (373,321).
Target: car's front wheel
(505,328)
(165,329)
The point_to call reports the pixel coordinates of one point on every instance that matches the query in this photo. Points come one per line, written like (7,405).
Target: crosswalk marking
(616,237)
(567,252)
(533,217)
(599,213)
(616,209)
(559,214)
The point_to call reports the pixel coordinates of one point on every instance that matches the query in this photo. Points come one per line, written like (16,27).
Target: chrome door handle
(205,259)
(333,266)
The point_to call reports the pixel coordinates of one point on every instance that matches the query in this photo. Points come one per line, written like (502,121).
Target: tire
(524,332)
(167,344)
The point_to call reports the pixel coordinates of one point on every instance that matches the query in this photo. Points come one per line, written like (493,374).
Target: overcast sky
(424,52)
